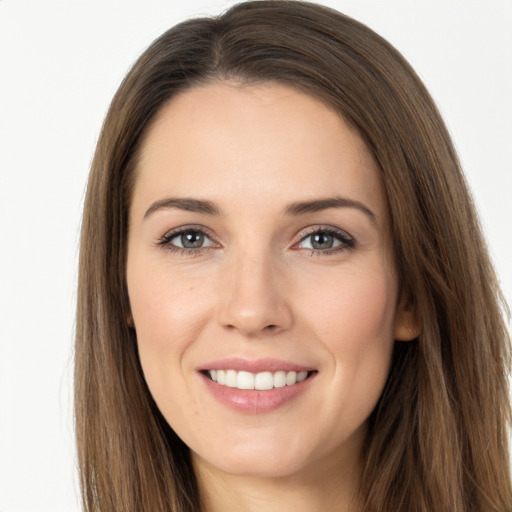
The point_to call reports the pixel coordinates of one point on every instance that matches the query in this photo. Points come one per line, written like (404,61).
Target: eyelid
(165,239)
(347,240)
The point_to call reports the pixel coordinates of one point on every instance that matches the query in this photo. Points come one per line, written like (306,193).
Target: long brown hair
(437,440)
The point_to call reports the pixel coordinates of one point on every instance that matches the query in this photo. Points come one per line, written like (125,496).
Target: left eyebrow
(302,207)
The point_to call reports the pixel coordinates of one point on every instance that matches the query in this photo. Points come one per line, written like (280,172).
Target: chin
(278,456)
(246,465)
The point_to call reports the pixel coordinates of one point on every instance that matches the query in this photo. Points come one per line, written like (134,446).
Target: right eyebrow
(182,203)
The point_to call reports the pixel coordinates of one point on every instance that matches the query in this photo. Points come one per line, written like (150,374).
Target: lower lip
(254,401)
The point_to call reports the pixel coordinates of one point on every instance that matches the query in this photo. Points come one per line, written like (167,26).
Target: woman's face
(259,254)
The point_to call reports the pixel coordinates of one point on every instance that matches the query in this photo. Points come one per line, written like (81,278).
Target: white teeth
(279,379)
(291,378)
(231,378)
(301,376)
(264,381)
(245,380)
(261,381)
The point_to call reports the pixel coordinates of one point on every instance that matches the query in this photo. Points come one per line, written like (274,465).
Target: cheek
(168,316)
(160,298)
(355,324)
(167,313)
(354,311)
(366,333)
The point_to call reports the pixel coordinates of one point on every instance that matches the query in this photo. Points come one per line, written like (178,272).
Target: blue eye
(325,240)
(186,239)
(192,240)
(319,240)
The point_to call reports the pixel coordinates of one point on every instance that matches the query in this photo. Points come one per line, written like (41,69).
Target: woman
(279,305)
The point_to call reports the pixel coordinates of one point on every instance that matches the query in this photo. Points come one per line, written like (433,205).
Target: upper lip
(255,365)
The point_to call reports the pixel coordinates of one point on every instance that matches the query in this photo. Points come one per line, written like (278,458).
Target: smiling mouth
(261,381)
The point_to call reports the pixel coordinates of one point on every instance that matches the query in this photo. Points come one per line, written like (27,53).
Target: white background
(60,64)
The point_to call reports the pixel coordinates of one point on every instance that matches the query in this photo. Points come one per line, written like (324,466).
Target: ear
(407,325)
(129,320)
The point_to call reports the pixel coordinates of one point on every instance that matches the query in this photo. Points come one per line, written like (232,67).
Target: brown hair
(437,439)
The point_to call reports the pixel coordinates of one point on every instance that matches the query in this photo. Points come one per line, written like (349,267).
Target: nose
(254,298)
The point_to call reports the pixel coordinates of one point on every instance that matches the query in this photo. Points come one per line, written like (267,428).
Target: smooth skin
(241,271)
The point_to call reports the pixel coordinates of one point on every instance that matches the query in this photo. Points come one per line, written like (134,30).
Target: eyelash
(165,241)
(347,242)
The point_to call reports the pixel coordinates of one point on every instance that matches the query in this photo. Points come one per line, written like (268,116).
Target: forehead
(230,141)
